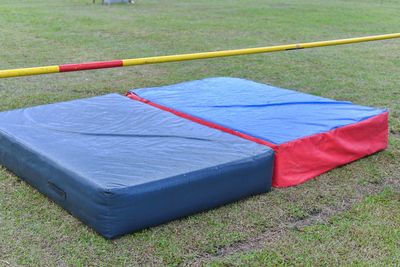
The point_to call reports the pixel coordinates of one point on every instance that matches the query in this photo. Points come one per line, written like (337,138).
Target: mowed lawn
(350,215)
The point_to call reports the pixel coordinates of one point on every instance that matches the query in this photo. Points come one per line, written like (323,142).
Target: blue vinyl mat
(263,111)
(121,165)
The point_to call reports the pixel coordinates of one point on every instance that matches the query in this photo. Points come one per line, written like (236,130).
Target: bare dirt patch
(395,133)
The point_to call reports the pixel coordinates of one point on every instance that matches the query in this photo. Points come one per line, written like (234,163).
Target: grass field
(349,216)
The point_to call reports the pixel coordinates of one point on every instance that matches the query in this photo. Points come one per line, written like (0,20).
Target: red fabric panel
(91,65)
(308,157)
(201,121)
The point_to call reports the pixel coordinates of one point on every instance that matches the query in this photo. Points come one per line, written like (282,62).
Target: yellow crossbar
(248,51)
(185,57)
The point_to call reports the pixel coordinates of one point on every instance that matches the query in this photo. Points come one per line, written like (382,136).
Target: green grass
(368,234)
(347,216)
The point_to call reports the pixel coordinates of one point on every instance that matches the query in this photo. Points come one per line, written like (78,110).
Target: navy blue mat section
(120,165)
(263,111)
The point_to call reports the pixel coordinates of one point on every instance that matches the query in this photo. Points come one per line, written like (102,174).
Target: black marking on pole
(296,48)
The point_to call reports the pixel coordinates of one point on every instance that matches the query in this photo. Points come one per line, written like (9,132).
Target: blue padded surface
(263,111)
(120,165)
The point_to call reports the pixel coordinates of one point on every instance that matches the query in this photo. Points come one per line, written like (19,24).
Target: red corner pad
(303,159)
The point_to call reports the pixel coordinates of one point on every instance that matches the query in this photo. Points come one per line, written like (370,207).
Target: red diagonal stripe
(134,96)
